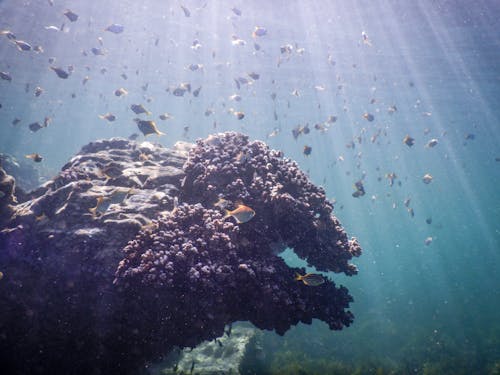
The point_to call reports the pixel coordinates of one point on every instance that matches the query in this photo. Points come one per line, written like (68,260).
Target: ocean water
(427,295)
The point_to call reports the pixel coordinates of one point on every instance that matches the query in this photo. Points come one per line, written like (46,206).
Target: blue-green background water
(418,308)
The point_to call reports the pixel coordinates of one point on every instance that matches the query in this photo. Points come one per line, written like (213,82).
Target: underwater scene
(249,187)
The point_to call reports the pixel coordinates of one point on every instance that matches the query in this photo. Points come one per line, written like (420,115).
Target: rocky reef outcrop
(124,256)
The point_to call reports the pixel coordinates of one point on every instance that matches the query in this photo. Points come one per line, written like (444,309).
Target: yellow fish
(310,279)
(35,157)
(147,127)
(241,214)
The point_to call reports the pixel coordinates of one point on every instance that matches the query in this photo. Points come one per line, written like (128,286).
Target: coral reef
(123,256)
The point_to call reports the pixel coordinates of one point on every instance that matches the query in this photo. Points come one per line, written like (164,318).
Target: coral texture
(124,255)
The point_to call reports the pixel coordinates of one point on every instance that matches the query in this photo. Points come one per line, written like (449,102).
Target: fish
(409,141)
(310,279)
(147,127)
(254,76)
(52,27)
(428,220)
(235,97)
(222,203)
(366,40)
(307,150)
(16,121)
(97,51)
(61,73)
(71,15)
(138,109)
(133,136)
(433,142)
(360,189)
(35,157)
(241,214)
(5,76)
(197,92)
(9,34)
(368,116)
(236,11)
(38,91)
(22,45)
(427,179)
(1,275)
(120,92)
(195,67)
(115,28)
(165,116)
(428,241)
(259,31)
(470,136)
(392,109)
(108,116)
(35,126)
(186,11)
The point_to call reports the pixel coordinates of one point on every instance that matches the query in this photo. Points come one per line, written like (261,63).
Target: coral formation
(123,255)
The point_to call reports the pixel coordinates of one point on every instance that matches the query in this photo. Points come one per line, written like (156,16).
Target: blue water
(419,308)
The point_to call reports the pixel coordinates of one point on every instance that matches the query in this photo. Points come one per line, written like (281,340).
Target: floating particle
(428,241)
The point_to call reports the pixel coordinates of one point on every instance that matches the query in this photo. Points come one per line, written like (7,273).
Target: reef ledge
(123,255)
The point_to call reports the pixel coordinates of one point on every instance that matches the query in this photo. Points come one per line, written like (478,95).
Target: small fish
(1,275)
(35,126)
(22,45)
(186,11)
(366,40)
(97,51)
(409,141)
(392,109)
(147,127)
(133,136)
(115,28)
(428,241)
(61,73)
(165,116)
(470,137)
(38,91)
(124,76)
(307,150)
(428,220)
(197,92)
(310,279)
(222,203)
(121,92)
(35,157)
(138,109)
(71,16)
(259,31)
(16,121)
(368,116)
(360,189)
(195,67)
(238,114)
(38,49)
(235,97)
(9,34)
(254,76)
(52,27)
(236,11)
(427,179)
(108,116)
(241,214)
(433,142)
(5,76)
